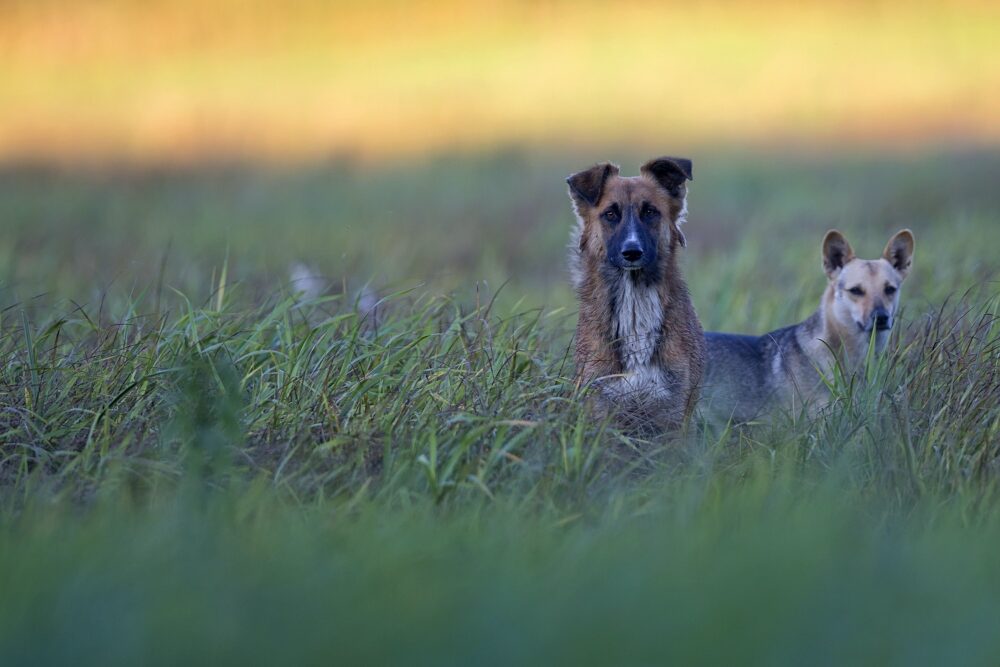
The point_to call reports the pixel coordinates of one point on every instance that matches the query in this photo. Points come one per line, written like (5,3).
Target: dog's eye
(890,289)
(856,291)
(648,212)
(611,215)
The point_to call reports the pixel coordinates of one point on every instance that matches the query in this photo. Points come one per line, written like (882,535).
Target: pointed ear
(669,172)
(836,252)
(899,251)
(585,187)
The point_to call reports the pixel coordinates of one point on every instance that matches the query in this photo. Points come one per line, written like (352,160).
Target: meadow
(199,462)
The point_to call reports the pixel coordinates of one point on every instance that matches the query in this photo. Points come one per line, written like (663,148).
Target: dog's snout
(632,252)
(632,248)
(881,319)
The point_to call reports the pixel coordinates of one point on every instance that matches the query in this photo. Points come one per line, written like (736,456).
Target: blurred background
(409,144)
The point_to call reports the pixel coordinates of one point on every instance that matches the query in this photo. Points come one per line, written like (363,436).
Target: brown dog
(638,339)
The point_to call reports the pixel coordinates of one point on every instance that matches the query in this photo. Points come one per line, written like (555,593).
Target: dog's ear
(669,172)
(836,252)
(899,251)
(585,187)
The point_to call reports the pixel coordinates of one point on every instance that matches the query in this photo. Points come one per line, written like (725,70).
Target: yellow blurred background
(186,80)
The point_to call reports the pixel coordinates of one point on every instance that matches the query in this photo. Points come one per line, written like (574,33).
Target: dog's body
(638,340)
(748,376)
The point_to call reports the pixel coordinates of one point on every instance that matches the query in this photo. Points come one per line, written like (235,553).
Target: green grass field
(197,465)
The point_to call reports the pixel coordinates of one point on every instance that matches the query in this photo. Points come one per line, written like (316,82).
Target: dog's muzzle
(632,247)
(632,255)
(880,320)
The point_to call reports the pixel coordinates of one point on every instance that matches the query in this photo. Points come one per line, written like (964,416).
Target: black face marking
(633,242)
(648,213)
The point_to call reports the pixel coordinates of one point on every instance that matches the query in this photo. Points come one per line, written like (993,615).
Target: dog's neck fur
(637,307)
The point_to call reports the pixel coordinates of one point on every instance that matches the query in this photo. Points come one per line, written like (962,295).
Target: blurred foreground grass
(707,572)
(198,465)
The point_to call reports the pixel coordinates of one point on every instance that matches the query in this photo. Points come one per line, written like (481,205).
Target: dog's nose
(880,318)
(632,253)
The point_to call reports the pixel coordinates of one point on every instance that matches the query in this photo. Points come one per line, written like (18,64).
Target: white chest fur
(638,320)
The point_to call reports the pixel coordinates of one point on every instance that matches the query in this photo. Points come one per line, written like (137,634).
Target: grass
(198,464)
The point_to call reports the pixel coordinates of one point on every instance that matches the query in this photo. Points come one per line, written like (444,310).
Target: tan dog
(638,339)
(749,375)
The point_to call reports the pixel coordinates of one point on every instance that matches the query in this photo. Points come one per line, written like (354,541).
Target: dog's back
(746,375)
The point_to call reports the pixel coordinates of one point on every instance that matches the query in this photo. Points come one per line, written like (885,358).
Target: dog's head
(866,291)
(630,222)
